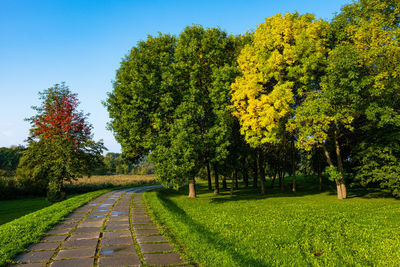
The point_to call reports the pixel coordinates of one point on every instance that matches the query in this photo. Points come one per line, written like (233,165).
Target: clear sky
(82,43)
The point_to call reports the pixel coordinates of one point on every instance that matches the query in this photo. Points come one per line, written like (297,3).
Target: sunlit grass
(280,229)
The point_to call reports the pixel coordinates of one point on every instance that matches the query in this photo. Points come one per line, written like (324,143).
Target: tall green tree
(285,59)
(144,97)
(60,147)
(361,82)
(199,53)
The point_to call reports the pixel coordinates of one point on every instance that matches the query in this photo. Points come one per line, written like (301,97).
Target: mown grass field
(280,229)
(12,209)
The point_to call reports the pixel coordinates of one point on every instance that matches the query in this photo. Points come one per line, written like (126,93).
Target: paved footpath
(114,229)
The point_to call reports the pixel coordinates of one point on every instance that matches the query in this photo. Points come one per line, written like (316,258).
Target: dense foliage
(9,159)
(298,94)
(60,147)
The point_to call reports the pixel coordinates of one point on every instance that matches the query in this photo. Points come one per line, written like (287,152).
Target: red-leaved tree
(61,146)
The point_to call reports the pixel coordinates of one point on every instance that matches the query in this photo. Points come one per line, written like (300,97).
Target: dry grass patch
(116,180)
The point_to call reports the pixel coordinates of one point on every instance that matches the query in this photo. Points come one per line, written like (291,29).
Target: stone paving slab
(127,260)
(44,245)
(71,221)
(117,250)
(74,262)
(158,247)
(76,253)
(111,241)
(144,226)
(163,259)
(117,219)
(88,229)
(142,221)
(151,238)
(147,231)
(118,222)
(90,235)
(80,243)
(35,256)
(117,234)
(90,224)
(116,227)
(54,238)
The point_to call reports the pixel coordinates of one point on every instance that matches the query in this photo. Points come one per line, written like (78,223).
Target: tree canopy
(296,89)
(60,145)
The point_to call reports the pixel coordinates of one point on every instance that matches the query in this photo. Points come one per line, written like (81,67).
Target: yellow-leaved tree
(285,60)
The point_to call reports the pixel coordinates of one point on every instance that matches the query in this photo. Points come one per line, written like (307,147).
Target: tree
(199,53)
(360,85)
(371,29)
(285,59)
(60,143)
(144,97)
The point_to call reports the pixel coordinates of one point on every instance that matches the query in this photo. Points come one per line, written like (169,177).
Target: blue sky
(83,42)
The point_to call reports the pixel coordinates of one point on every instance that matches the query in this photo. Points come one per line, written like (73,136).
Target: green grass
(13,209)
(280,229)
(16,235)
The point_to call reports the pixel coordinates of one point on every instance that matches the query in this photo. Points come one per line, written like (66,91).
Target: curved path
(114,229)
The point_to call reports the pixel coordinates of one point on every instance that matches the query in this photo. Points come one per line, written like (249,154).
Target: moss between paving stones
(16,235)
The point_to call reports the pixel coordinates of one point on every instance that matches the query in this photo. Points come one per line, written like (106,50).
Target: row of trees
(231,104)
(113,163)
(9,159)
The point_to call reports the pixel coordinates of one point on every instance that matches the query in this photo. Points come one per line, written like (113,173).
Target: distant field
(116,180)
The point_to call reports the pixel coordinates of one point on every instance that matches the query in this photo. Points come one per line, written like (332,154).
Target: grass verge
(16,235)
(280,229)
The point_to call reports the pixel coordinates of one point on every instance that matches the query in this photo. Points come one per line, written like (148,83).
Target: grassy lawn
(16,235)
(12,209)
(278,229)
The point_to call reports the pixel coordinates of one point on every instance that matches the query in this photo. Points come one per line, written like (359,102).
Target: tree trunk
(342,183)
(224,186)
(245,178)
(319,177)
(209,176)
(255,169)
(261,171)
(216,188)
(232,185)
(293,169)
(192,188)
(329,160)
(235,176)
(273,180)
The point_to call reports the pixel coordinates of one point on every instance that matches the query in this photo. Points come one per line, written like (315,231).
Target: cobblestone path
(113,230)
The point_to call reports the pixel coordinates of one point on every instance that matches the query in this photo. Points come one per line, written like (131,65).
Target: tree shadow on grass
(212,239)
(254,194)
